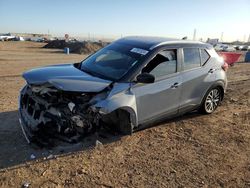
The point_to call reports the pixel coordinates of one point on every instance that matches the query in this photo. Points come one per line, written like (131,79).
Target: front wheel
(211,101)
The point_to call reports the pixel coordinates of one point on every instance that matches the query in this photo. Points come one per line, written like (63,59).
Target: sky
(116,18)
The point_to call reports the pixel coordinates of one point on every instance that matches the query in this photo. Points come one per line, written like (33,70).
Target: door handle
(175,85)
(211,70)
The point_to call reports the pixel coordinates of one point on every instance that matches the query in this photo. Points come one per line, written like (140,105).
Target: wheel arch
(132,114)
(219,84)
(123,118)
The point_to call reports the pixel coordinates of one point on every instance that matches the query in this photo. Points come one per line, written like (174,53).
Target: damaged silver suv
(129,84)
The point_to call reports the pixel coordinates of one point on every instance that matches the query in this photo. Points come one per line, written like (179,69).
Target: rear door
(162,97)
(197,77)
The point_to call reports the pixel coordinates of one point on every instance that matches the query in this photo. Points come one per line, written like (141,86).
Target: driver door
(161,98)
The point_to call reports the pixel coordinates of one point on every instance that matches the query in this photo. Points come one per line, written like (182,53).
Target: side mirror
(145,78)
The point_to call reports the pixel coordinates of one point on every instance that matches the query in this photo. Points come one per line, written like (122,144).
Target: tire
(211,101)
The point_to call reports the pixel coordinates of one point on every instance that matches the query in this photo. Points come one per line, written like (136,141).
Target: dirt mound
(76,47)
(56,44)
(89,47)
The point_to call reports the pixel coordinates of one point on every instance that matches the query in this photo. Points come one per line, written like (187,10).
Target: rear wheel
(211,101)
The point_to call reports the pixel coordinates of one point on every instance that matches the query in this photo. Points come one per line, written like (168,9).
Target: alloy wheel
(212,100)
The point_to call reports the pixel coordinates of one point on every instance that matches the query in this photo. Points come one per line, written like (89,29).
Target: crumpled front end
(46,112)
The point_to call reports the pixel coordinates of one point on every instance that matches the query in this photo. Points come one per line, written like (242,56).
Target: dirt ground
(190,151)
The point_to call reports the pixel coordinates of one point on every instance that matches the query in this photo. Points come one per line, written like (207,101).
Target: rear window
(204,57)
(191,58)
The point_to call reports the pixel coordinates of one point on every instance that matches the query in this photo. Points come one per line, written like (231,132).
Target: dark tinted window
(191,58)
(204,56)
(162,64)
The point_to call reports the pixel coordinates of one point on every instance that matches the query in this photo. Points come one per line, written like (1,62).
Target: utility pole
(88,36)
(221,37)
(194,36)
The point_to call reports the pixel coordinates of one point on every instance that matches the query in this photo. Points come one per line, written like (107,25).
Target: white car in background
(245,48)
(224,47)
(6,37)
(229,48)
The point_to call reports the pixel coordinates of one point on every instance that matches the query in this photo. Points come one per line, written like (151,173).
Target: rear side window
(204,57)
(191,58)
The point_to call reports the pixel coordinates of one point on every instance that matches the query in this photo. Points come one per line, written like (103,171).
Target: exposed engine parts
(51,113)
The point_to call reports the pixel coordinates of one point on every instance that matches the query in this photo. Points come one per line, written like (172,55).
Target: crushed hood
(66,77)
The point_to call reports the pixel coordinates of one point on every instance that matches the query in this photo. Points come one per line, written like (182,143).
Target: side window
(204,56)
(162,64)
(191,58)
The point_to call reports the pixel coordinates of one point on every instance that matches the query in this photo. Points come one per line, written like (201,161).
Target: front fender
(124,99)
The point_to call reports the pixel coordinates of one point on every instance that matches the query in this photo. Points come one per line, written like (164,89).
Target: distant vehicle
(245,48)
(127,85)
(229,48)
(40,40)
(224,48)
(19,39)
(239,47)
(6,37)
(219,47)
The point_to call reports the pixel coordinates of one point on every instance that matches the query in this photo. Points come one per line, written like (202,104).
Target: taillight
(224,66)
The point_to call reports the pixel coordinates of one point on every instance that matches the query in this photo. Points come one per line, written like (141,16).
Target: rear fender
(221,84)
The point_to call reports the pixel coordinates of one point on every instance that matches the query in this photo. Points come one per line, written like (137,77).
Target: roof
(150,43)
